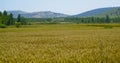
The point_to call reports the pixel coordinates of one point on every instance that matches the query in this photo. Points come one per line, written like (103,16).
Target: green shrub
(3,26)
(108,27)
(17,24)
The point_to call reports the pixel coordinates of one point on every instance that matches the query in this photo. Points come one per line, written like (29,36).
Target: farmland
(60,43)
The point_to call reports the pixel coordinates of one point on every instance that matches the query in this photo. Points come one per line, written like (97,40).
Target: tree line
(105,19)
(8,19)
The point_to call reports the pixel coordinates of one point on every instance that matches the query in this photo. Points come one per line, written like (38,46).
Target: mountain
(15,13)
(111,11)
(100,12)
(43,14)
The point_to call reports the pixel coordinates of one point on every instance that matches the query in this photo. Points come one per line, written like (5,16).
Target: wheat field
(60,44)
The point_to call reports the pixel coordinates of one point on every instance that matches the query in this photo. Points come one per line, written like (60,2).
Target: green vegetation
(18,24)
(60,43)
(99,20)
(2,26)
(7,19)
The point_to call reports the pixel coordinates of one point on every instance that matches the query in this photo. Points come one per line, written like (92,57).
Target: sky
(70,7)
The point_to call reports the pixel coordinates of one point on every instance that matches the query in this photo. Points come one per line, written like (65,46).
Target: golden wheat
(60,44)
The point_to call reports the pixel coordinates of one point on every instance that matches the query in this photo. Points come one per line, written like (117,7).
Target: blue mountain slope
(97,12)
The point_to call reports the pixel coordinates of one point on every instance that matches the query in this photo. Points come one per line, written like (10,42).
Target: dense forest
(7,20)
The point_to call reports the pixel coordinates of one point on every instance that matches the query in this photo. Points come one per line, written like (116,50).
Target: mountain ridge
(112,11)
(99,12)
(41,14)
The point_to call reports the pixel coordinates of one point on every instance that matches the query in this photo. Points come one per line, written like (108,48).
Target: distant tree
(5,13)
(92,19)
(23,21)
(82,20)
(10,20)
(5,18)
(19,18)
(107,19)
(0,13)
(0,17)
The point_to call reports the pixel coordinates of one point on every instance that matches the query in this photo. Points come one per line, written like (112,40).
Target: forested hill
(101,12)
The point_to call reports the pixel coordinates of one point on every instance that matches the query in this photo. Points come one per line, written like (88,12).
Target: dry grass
(60,44)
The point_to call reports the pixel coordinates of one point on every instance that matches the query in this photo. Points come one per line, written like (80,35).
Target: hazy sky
(62,6)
